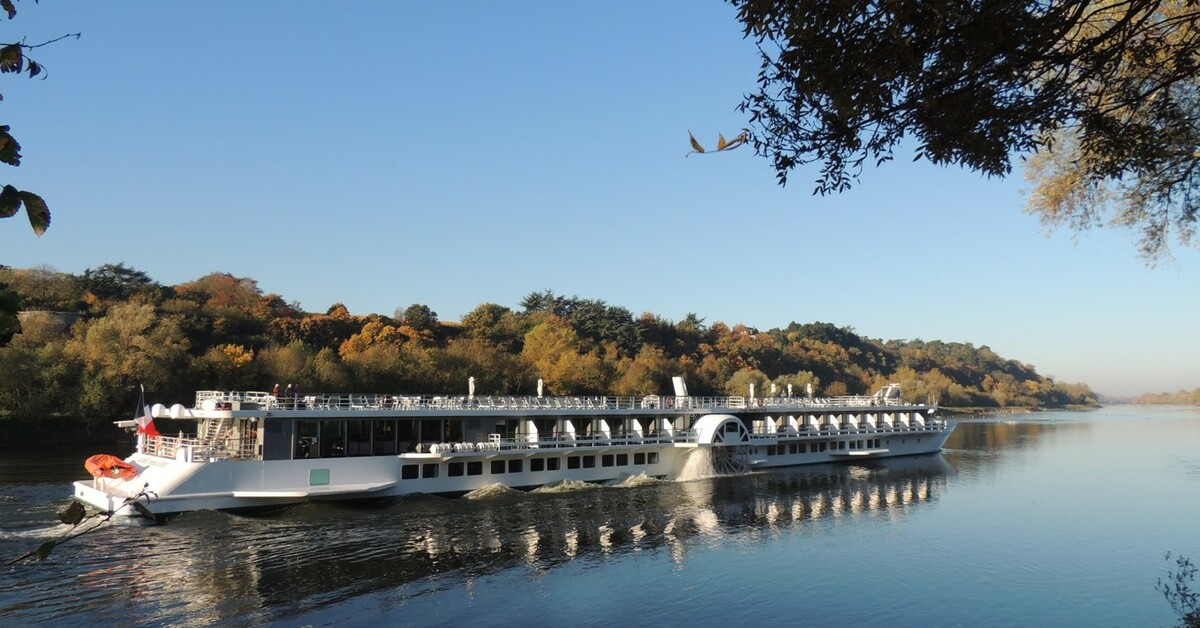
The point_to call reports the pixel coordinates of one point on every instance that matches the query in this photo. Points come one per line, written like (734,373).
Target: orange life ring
(670,402)
(104,465)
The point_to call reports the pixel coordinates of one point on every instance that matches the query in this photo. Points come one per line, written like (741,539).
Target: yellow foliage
(238,355)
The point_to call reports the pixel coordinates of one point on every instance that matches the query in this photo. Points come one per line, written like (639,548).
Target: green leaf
(10,148)
(72,514)
(39,213)
(43,550)
(10,201)
(12,58)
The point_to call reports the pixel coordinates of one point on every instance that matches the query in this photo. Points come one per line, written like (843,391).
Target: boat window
(573,462)
(406,435)
(384,436)
(622,460)
(771,450)
(409,472)
(429,470)
(497,467)
(639,458)
(606,460)
(537,464)
(552,464)
(475,468)
(454,469)
(431,431)
(793,448)
(589,462)
(802,448)
(306,440)
(652,457)
(358,438)
(514,466)
(333,439)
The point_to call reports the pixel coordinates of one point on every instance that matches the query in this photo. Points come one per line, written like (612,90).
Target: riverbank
(973,412)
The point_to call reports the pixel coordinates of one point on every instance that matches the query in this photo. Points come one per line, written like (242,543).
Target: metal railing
(354,402)
(497,442)
(201,449)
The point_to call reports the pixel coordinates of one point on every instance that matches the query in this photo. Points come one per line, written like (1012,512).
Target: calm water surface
(1050,519)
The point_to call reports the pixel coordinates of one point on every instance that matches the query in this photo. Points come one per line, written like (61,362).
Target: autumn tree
(44,288)
(739,384)
(116,282)
(132,345)
(40,378)
(1104,93)
(495,325)
(555,353)
(421,318)
(9,307)
(648,373)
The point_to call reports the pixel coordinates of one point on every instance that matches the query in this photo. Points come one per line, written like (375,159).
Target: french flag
(146,423)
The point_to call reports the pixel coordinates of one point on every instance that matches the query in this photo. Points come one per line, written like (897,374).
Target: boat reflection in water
(215,566)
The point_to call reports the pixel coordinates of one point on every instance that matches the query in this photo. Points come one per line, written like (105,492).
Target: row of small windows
(784,449)
(498,467)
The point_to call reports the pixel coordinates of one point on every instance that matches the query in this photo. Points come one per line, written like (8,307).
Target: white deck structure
(255,449)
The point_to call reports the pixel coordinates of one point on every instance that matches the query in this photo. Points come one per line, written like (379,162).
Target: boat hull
(169,486)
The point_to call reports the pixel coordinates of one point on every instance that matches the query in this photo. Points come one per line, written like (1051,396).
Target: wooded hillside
(87,342)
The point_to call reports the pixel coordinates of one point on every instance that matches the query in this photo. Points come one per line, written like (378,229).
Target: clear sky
(381,154)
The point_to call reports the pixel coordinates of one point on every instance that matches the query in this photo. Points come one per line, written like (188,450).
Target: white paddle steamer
(258,450)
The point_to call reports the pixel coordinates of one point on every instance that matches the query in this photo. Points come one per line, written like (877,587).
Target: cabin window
(552,464)
(802,448)
(454,469)
(793,448)
(606,460)
(333,439)
(475,468)
(589,462)
(537,464)
(409,472)
(622,460)
(771,450)
(307,433)
(384,437)
(497,467)
(429,470)
(824,446)
(573,462)
(514,466)
(639,458)
(652,457)
(358,438)
(406,435)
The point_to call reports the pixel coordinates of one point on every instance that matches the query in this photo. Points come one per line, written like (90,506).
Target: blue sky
(388,153)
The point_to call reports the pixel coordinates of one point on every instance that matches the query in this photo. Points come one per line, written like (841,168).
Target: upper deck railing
(355,402)
(198,448)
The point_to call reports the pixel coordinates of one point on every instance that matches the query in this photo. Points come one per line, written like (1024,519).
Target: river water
(1056,519)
